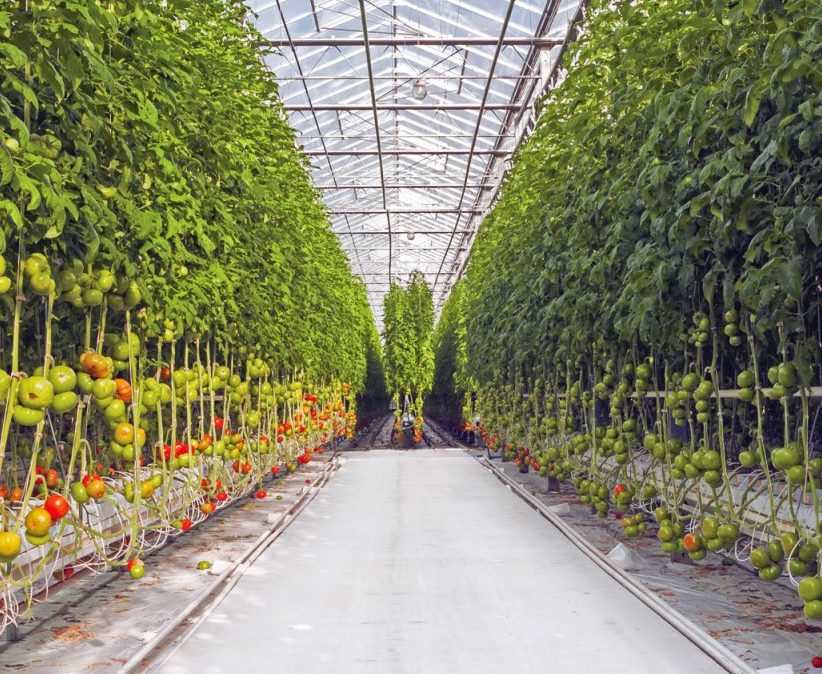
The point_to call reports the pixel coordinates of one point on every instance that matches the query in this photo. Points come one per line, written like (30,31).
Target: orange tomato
(94,364)
(123,389)
(96,488)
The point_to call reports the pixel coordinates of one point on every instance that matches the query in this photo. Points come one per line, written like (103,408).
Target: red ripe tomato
(132,562)
(56,506)
(222,496)
(204,483)
(692,542)
(185,524)
(246,468)
(816,662)
(280,439)
(261,493)
(165,374)
(275,470)
(219,423)
(236,465)
(218,485)
(619,489)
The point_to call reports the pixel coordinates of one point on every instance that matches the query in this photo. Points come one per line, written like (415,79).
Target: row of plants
(409,357)
(640,318)
(178,320)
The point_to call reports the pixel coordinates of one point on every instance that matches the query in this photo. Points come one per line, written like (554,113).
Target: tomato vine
(640,315)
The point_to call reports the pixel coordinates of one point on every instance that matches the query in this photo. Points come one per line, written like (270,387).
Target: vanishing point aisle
(411,562)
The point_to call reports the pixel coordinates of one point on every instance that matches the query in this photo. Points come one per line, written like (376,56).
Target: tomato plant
(641,306)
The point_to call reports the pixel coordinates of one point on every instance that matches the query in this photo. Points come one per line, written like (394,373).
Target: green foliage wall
(131,142)
(409,322)
(676,169)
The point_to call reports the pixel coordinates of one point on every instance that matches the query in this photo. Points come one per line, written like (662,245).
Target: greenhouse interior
(411,336)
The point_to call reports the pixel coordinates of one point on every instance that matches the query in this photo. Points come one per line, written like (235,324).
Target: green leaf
(10,209)
(790,277)
(27,185)
(17,58)
(6,166)
(752,102)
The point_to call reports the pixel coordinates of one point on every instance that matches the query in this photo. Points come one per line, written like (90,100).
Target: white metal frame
(388,165)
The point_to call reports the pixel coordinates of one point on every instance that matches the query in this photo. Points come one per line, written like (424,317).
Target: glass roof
(410,111)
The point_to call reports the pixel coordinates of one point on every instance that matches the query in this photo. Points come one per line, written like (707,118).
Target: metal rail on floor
(710,646)
(145,658)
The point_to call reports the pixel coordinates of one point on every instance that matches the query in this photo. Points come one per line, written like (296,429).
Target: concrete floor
(422,562)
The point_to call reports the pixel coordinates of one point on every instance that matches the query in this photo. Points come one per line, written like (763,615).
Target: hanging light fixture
(419,91)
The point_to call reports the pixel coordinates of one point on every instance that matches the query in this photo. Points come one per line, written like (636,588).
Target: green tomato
(115,410)
(150,398)
(787,375)
(35,393)
(68,280)
(745,379)
(85,382)
(36,263)
(64,402)
(116,303)
(813,609)
(104,280)
(62,378)
(133,296)
(102,403)
(42,283)
(79,493)
(27,416)
(5,284)
(120,351)
(104,388)
(92,297)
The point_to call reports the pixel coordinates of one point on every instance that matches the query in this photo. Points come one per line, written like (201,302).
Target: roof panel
(450,145)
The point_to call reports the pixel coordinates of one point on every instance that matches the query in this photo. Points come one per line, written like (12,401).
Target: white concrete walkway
(423,563)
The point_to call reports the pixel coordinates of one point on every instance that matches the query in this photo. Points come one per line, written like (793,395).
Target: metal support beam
(427,78)
(358,107)
(444,41)
(407,211)
(373,92)
(404,186)
(421,232)
(483,107)
(400,153)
